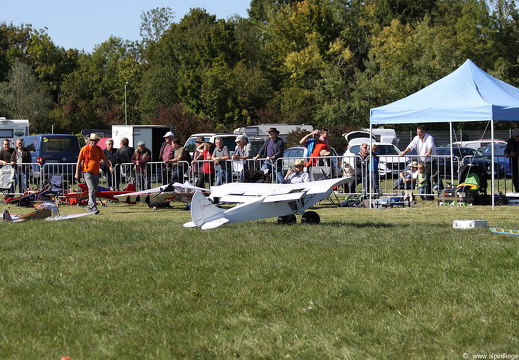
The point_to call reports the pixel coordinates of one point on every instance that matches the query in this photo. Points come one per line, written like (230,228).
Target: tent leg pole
(492,164)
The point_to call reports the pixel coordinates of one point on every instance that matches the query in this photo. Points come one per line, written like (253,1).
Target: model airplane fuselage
(102,192)
(258,201)
(175,191)
(45,211)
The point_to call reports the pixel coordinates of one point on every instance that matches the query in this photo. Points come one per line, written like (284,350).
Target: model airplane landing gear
(287,220)
(310,217)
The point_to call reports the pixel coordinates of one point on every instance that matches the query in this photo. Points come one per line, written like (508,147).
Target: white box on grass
(469,224)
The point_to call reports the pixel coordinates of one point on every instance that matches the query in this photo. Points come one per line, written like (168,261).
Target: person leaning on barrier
(166,154)
(220,156)
(112,178)
(6,153)
(124,159)
(240,156)
(206,167)
(272,150)
(141,157)
(426,149)
(361,173)
(180,161)
(19,157)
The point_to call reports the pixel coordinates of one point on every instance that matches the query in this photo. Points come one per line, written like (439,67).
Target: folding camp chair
(320,173)
(6,180)
(56,185)
(323,173)
(473,184)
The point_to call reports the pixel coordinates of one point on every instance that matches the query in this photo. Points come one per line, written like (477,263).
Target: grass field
(132,283)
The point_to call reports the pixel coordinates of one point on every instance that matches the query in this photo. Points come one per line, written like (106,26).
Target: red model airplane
(102,192)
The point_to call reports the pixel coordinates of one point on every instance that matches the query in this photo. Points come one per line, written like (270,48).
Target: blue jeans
(222,175)
(267,165)
(20,179)
(423,190)
(143,181)
(92,182)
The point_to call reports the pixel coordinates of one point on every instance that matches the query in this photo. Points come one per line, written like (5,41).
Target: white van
(13,129)
(229,140)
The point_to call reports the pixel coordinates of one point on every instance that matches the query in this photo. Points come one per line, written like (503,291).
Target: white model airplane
(259,201)
(153,197)
(47,211)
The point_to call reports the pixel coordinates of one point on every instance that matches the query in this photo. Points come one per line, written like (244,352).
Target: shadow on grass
(337,223)
(360,225)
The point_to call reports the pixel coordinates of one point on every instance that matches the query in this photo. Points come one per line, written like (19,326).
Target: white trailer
(152,135)
(13,129)
(261,131)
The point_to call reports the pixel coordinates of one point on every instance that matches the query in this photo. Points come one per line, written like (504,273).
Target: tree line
(319,62)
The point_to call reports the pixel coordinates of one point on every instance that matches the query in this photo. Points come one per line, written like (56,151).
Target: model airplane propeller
(260,201)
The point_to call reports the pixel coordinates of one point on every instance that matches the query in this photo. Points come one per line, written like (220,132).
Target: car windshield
(387,150)
(460,152)
(382,149)
(499,150)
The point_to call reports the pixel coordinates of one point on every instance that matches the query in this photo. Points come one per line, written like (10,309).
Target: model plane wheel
(287,220)
(310,217)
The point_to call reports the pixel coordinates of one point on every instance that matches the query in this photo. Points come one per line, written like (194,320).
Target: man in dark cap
(272,150)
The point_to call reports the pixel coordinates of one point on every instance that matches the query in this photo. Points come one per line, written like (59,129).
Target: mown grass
(132,283)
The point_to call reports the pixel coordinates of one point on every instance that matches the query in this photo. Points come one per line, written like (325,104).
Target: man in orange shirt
(89,161)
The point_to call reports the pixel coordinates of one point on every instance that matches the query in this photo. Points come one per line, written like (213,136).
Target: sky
(84,24)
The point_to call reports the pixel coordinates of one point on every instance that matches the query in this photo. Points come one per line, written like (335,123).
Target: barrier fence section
(203,173)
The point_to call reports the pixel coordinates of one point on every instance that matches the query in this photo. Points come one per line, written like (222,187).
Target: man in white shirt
(297,174)
(425,147)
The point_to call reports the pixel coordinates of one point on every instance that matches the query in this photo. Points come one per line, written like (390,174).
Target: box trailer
(13,129)
(152,135)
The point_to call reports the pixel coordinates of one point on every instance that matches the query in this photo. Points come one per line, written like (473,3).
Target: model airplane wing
(257,201)
(66,217)
(45,211)
(182,192)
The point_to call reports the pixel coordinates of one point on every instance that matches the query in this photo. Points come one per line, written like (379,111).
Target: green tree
(24,98)
(13,46)
(93,95)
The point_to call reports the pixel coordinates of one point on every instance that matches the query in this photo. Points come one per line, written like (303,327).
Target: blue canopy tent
(467,94)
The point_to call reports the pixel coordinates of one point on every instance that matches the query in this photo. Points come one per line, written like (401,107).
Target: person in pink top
(207,169)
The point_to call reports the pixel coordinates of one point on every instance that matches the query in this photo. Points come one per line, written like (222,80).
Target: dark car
(53,154)
(298,152)
(464,156)
(499,156)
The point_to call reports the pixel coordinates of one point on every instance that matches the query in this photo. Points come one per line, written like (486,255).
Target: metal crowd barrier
(157,174)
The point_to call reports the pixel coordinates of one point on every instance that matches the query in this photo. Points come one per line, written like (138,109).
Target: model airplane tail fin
(202,210)
(130,187)
(7,216)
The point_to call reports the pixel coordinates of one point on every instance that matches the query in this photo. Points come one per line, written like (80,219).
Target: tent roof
(467,94)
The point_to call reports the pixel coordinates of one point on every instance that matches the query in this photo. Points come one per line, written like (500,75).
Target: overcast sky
(84,24)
